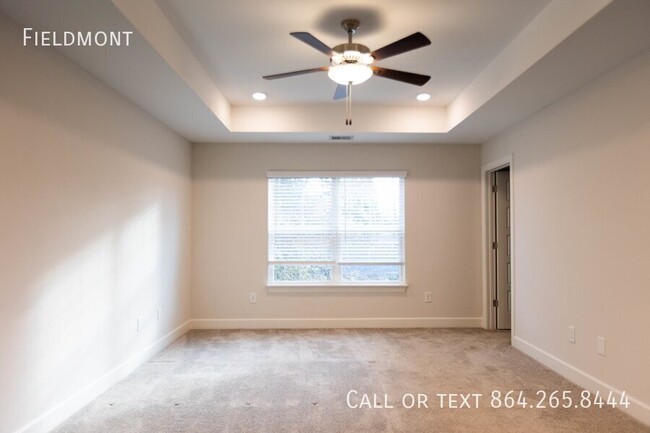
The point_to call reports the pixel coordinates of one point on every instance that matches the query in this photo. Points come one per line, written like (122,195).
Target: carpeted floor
(298,381)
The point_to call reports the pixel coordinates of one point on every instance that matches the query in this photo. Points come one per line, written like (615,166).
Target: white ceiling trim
(329,118)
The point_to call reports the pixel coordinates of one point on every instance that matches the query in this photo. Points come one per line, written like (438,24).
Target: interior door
(503,302)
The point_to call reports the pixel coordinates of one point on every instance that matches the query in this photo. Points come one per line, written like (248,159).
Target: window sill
(337,288)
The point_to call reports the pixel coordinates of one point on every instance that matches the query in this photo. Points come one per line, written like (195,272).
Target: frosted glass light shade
(345,73)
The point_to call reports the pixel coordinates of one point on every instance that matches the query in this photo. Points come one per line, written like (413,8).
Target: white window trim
(336,288)
(306,287)
(280,174)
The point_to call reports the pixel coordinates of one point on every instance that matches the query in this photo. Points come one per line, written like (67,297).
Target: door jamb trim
(489,318)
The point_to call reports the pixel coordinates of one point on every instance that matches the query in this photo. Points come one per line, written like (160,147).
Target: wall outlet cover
(600,345)
(572,334)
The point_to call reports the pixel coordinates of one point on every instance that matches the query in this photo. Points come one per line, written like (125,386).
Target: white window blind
(336,228)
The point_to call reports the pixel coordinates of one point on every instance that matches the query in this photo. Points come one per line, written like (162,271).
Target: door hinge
(494,245)
(494,188)
(495,303)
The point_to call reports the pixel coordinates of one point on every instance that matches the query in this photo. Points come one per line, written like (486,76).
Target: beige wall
(94,231)
(230,234)
(582,229)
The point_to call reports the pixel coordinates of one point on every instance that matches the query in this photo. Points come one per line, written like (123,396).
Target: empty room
(265,216)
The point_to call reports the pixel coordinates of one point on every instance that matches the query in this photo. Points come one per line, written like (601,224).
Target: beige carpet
(297,381)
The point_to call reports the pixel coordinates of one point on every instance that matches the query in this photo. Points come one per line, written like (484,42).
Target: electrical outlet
(137,324)
(159,313)
(572,334)
(600,346)
(427,297)
(252,298)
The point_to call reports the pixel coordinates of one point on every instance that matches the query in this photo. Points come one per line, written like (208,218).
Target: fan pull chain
(348,105)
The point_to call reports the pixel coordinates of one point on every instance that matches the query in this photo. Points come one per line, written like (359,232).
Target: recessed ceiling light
(423,97)
(259,96)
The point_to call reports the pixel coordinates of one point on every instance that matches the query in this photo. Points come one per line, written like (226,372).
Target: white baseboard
(637,409)
(59,413)
(381,322)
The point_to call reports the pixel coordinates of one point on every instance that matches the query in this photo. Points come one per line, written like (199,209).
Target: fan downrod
(350,26)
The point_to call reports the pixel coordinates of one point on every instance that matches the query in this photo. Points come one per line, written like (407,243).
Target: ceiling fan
(352,63)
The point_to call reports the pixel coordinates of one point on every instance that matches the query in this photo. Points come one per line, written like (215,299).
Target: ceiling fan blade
(416,40)
(405,77)
(294,73)
(313,42)
(340,92)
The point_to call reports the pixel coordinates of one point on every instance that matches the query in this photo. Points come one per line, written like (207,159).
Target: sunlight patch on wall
(103,286)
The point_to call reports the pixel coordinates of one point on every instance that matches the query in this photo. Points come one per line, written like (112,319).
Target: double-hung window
(336,229)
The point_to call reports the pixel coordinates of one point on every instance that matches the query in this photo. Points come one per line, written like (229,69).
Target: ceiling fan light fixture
(346,73)
(350,62)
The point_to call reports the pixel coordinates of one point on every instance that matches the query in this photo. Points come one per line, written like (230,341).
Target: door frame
(487,256)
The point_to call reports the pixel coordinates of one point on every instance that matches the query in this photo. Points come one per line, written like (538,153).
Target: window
(330,229)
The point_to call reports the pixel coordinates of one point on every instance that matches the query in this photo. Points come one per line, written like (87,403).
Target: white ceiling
(240,41)
(193,64)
